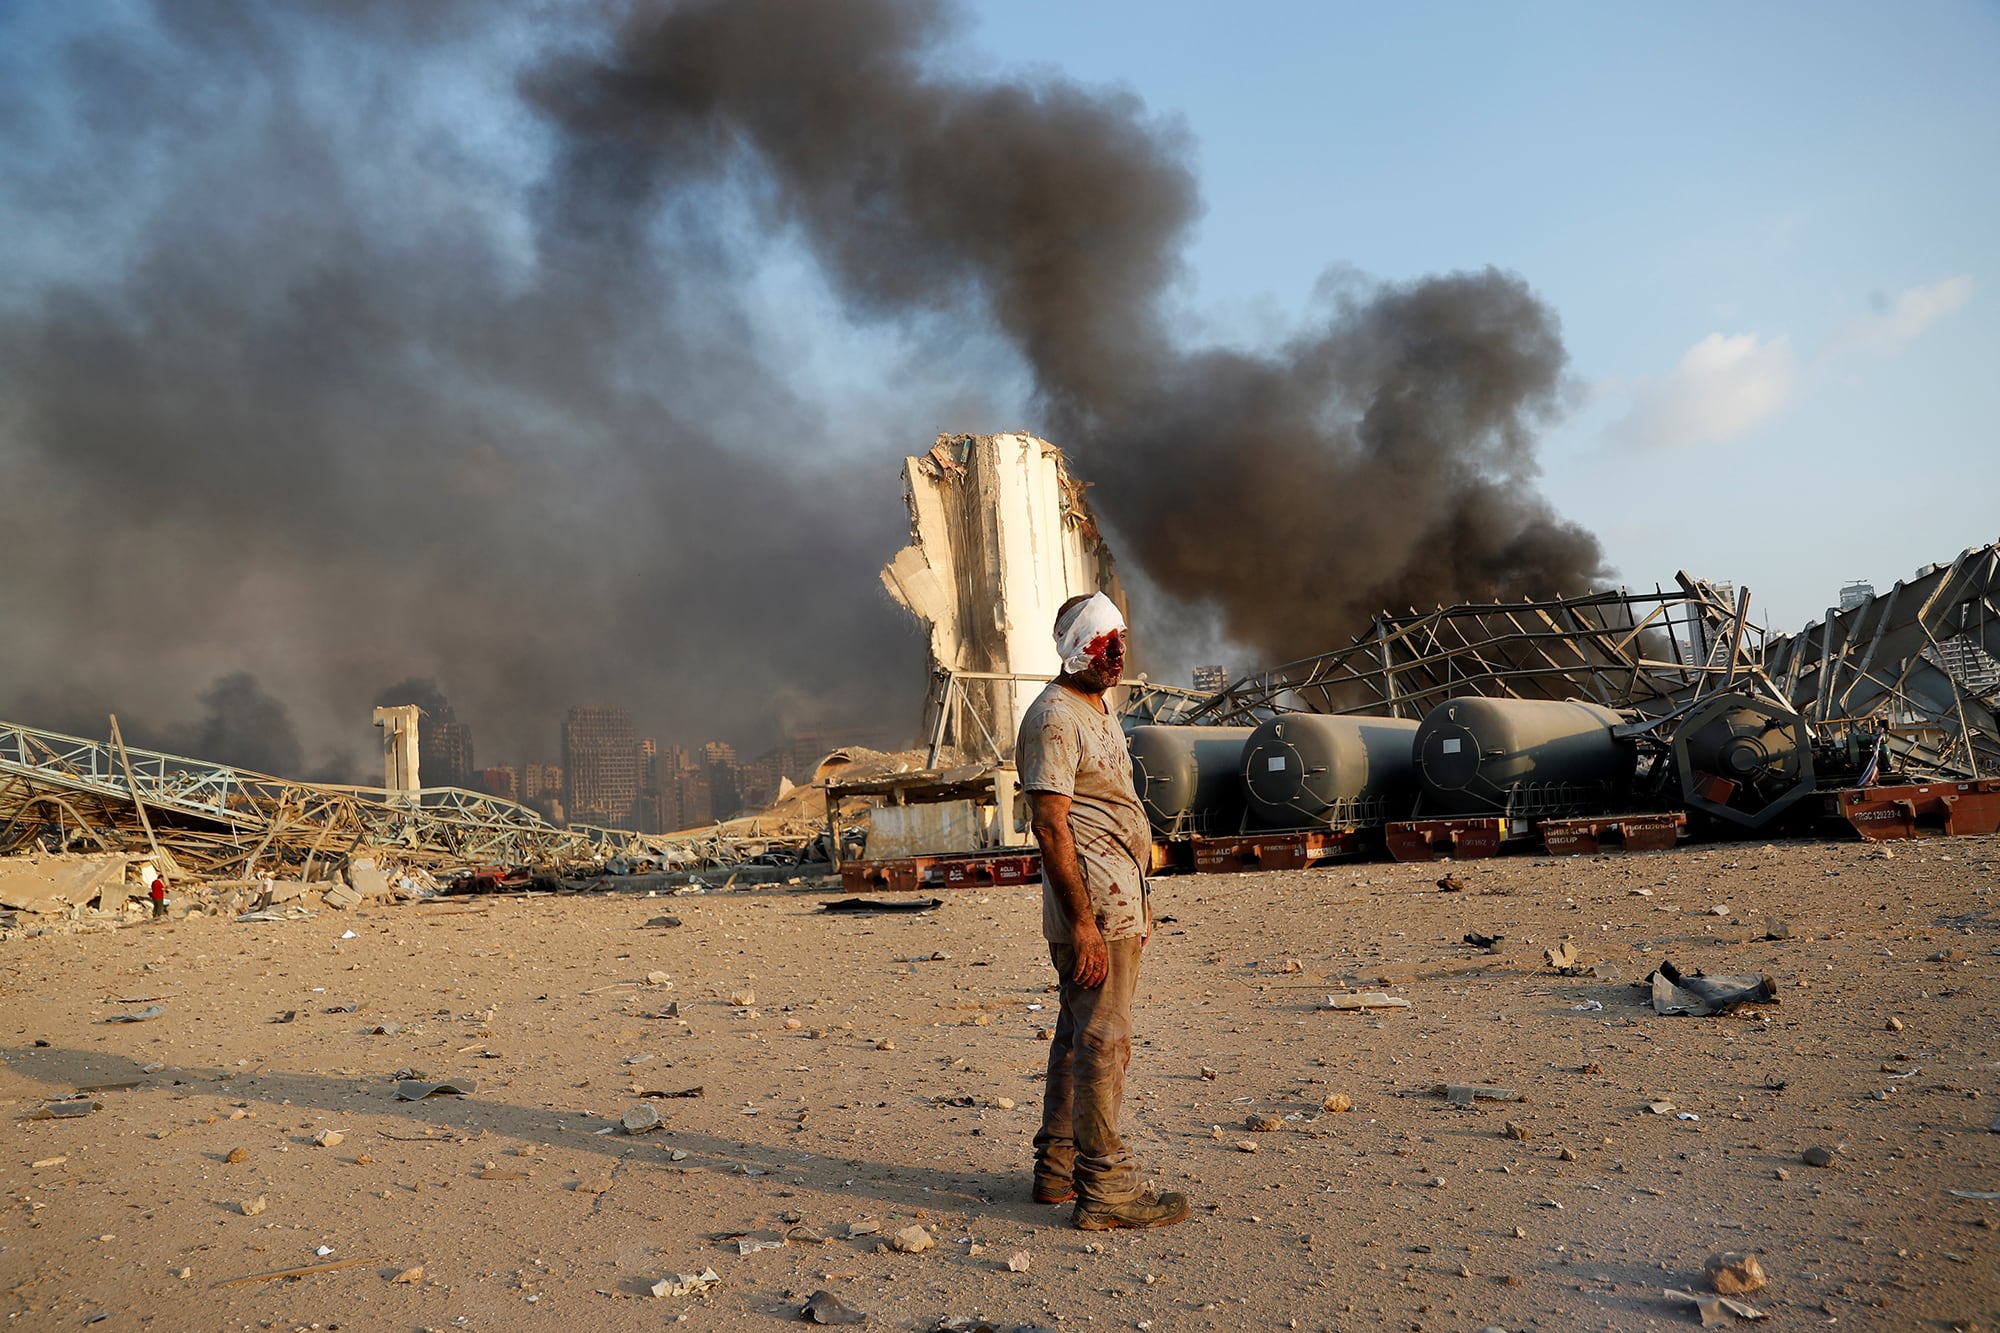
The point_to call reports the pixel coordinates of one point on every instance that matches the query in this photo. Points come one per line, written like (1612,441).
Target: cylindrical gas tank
(1186,777)
(1303,769)
(1483,756)
(1743,759)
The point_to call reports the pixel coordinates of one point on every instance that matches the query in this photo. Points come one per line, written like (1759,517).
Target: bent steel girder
(214,817)
(1654,654)
(1871,662)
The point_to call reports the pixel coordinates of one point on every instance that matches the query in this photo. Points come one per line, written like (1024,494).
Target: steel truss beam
(212,819)
(1656,654)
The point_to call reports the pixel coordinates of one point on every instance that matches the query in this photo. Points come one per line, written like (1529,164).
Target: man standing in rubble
(1095,844)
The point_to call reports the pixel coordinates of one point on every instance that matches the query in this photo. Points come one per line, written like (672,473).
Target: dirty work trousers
(1086,1082)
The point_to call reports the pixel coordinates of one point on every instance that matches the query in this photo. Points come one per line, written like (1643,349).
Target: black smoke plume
(307,371)
(1382,459)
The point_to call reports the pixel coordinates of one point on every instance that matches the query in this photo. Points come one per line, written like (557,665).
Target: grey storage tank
(1743,760)
(1479,756)
(1188,778)
(1306,770)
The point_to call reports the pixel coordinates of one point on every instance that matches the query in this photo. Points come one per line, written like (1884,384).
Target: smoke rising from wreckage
(349,392)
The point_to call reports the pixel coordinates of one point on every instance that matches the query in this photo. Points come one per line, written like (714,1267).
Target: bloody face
(1107,659)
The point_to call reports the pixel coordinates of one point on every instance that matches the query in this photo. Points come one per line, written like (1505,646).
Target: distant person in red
(159,896)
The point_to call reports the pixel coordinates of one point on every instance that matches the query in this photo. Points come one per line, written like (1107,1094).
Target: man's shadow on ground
(109,1077)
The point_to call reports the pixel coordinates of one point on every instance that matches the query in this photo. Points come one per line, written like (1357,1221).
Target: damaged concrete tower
(1001,536)
(399,752)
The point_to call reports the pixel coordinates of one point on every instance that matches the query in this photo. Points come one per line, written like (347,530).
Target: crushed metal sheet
(1698,996)
(415,1090)
(881,904)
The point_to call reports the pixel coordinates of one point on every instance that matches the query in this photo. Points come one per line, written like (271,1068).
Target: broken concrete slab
(367,878)
(340,897)
(39,884)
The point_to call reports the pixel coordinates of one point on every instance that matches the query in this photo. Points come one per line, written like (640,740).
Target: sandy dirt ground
(861,1075)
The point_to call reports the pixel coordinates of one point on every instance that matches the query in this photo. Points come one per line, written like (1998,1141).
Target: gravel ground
(862,1075)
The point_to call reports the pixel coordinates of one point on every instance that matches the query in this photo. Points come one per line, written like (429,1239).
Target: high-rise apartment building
(1211,679)
(539,780)
(501,781)
(445,751)
(1855,593)
(685,800)
(718,760)
(600,765)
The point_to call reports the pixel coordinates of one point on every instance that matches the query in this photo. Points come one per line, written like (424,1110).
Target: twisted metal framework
(1871,662)
(1656,654)
(211,819)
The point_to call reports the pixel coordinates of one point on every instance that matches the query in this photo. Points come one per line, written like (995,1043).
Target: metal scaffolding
(1878,662)
(1657,654)
(214,820)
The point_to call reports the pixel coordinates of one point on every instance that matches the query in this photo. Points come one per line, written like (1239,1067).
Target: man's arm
(1049,817)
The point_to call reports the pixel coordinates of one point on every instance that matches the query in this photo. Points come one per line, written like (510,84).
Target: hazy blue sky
(1772,233)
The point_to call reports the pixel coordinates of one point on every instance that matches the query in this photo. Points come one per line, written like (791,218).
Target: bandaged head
(1081,631)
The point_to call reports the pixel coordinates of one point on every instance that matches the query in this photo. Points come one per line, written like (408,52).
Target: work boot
(1048,1189)
(1143,1211)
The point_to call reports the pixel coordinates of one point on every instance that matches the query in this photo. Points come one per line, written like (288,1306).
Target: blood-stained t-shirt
(1068,746)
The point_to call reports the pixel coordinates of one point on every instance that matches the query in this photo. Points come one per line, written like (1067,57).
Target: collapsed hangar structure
(1613,718)
(1610,718)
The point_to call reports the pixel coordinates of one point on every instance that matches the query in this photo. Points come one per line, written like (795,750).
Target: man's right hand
(1093,960)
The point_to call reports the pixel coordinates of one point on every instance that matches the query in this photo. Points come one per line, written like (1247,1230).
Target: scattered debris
(641,1119)
(306,1271)
(252,1207)
(1587,1007)
(1735,1274)
(1715,1309)
(1464,1094)
(329,1138)
(756,1242)
(1248,1145)
(823,1307)
(912,1239)
(415,1090)
(409,1275)
(146,1015)
(1337,1103)
(65,1109)
(1451,884)
(1820,1155)
(1018,1261)
(1479,941)
(686,1284)
(1698,996)
(1263,1124)
(667,921)
(1366,1000)
(881,904)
